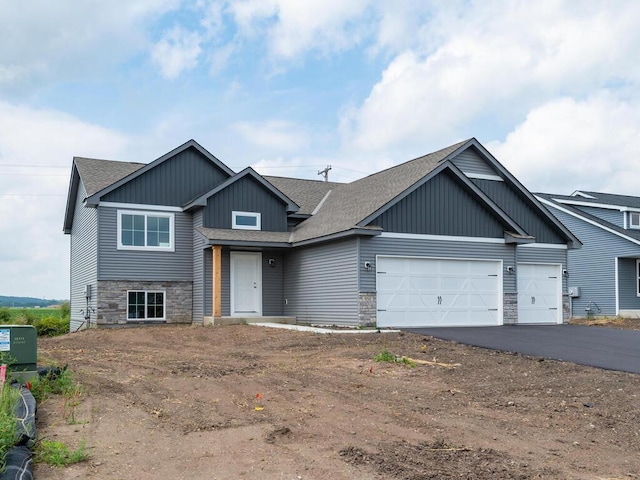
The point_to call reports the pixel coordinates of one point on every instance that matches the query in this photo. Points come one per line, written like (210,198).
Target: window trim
(170,216)
(638,277)
(146,304)
(631,225)
(256,215)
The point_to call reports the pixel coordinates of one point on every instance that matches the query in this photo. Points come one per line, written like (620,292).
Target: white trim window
(246,220)
(638,278)
(145,230)
(145,305)
(634,220)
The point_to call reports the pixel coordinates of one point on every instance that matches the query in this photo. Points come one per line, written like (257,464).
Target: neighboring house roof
(202,200)
(306,193)
(557,201)
(596,198)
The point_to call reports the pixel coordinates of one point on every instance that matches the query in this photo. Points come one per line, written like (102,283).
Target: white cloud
(273,134)
(47,41)
(294,27)
(178,50)
(494,60)
(566,145)
(34,252)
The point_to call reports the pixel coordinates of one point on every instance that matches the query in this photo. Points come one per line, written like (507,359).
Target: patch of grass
(8,425)
(59,381)
(48,321)
(386,356)
(58,454)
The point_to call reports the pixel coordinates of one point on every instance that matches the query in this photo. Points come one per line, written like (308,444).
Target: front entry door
(246,284)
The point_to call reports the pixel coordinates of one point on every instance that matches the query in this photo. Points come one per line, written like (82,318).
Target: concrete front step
(221,321)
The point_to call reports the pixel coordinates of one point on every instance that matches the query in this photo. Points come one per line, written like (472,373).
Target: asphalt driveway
(607,348)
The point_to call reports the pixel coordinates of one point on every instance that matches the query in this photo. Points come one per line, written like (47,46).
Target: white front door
(246,284)
(539,293)
(429,292)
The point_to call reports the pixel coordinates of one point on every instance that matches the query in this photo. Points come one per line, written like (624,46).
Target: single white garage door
(539,293)
(428,292)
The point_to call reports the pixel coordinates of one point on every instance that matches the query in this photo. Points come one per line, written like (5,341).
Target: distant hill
(27,302)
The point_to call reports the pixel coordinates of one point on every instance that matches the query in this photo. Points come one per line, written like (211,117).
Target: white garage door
(539,293)
(426,292)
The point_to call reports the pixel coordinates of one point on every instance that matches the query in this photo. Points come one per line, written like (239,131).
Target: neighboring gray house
(451,238)
(605,272)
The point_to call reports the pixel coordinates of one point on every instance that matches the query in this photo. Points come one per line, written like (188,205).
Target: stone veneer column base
(112,301)
(367,309)
(510,308)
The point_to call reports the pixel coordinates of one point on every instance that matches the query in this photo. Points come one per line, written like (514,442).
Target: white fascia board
(620,208)
(484,176)
(141,206)
(589,221)
(544,245)
(443,238)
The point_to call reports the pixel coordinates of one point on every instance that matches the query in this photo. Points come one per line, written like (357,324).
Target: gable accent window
(143,305)
(634,220)
(245,220)
(145,230)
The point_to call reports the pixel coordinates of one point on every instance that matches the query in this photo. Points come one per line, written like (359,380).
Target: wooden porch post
(217,280)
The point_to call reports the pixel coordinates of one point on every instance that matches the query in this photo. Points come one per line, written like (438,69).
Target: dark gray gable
(247,192)
(526,210)
(74,184)
(451,169)
(443,206)
(173,179)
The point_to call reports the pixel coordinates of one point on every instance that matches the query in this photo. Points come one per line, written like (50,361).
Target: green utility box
(18,349)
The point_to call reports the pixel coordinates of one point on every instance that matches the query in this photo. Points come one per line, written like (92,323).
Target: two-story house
(451,238)
(605,273)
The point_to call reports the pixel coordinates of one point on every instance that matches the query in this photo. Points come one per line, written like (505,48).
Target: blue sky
(289,86)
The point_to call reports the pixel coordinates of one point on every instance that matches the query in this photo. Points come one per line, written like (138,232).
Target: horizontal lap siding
(612,216)
(544,255)
(370,247)
(471,163)
(628,284)
(321,284)
(592,267)
(117,264)
(84,260)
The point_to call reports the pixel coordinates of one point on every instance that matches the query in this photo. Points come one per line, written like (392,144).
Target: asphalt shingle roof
(98,174)
(244,235)
(306,193)
(606,198)
(350,203)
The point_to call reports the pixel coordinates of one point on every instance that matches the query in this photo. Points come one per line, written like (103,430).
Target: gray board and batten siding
(114,264)
(321,283)
(592,267)
(441,207)
(246,195)
(521,210)
(84,261)
(174,182)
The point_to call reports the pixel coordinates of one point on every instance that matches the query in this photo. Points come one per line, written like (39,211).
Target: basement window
(144,305)
(245,220)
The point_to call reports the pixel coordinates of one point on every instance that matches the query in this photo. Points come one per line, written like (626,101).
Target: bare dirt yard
(259,403)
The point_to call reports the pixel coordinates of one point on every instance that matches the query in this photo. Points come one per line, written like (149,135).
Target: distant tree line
(23,302)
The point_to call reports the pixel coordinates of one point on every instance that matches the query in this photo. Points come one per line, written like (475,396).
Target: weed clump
(58,454)
(386,356)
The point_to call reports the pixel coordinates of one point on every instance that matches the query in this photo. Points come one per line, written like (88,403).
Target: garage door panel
(438,292)
(539,293)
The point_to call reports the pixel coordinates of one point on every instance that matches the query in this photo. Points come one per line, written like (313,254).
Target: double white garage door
(427,292)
